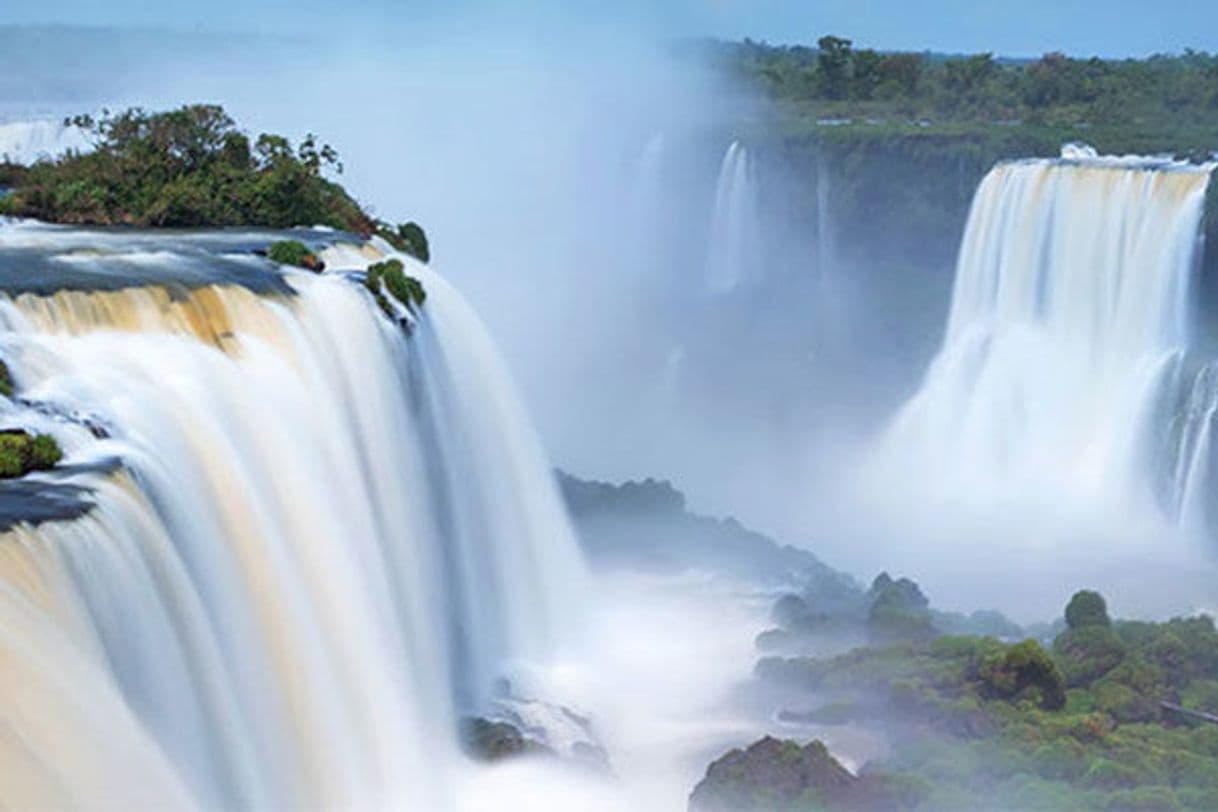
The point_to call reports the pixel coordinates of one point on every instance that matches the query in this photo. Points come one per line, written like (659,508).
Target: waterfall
(733,242)
(1068,330)
(25,142)
(313,540)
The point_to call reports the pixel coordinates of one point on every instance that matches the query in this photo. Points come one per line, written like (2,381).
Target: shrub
(44,452)
(391,276)
(1087,608)
(1087,653)
(409,238)
(1025,669)
(21,452)
(292,252)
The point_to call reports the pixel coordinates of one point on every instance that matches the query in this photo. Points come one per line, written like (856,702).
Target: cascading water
(322,540)
(24,142)
(1069,323)
(734,223)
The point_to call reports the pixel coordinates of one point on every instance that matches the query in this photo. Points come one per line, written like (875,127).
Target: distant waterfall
(324,541)
(24,142)
(1068,331)
(733,244)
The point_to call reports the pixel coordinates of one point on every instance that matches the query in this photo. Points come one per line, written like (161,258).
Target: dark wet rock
(495,740)
(777,775)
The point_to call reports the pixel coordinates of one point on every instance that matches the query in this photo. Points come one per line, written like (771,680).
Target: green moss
(409,238)
(293,252)
(1025,670)
(21,452)
(391,276)
(7,387)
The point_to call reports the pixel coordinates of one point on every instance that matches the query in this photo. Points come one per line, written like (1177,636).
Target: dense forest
(1160,104)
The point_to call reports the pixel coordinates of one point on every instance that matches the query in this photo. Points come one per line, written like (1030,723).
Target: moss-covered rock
(22,452)
(409,238)
(781,775)
(391,276)
(295,253)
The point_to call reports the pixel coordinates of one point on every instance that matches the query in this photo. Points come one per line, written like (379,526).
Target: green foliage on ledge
(295,253)
(22,452)
(391,276)
(1163,103)
(186,167)
(409,238)
(1112,717)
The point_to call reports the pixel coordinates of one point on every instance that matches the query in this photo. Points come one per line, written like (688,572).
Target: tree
(1087,608)
(833,66)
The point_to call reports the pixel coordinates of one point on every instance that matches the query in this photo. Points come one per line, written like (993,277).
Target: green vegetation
(1164,103)
(408,238)
(22,452)
(391,276)
(7,387)
(983,723)
(894,144)
(780,775)
(186,167)
(1087,608)
(292,252)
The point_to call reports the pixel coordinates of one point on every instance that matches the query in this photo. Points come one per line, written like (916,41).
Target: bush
(21,452)
(44,452)
(391,276)
(292,252)
(1087,653)
(1087,608)
(1025,670)
(409,238)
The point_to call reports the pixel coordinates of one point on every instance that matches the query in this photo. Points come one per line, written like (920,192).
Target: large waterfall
(309,542)
(1067,342)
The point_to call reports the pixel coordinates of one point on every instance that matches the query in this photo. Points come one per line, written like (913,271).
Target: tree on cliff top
(187,167)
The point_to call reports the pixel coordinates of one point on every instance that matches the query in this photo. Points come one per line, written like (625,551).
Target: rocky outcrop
(772,775)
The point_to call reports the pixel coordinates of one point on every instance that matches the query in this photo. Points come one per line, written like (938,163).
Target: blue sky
(1010,27)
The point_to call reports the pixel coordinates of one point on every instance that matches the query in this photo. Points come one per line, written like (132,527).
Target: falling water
(1068,327)
(734,223)
(323,540)
(24,142)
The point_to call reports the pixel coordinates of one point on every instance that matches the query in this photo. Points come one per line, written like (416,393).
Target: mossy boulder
(22,452)
(495,740)
(391,276)
(409,238)
(295,253)
(772,774)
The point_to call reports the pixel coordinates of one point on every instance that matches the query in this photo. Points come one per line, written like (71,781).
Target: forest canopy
(1165,102)
(186,167)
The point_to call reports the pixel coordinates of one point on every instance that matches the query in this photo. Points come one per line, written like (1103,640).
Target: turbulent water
(313,541)
(1069,325)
